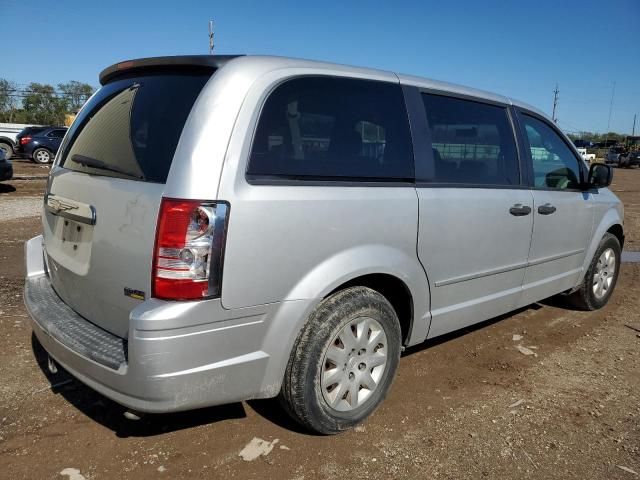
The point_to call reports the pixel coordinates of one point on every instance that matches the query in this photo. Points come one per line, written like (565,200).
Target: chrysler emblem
(59,205)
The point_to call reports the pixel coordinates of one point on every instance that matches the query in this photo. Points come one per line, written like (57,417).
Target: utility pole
(211,32)
(633,130)
(613,92)
(555,104)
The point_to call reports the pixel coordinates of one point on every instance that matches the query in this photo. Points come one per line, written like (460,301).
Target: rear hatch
(104,194)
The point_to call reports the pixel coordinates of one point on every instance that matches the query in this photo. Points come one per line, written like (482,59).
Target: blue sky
(515,48)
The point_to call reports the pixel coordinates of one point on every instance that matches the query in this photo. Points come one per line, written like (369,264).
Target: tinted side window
(472,142)
(333,128)
(554,164)
(32,131)
(57,133)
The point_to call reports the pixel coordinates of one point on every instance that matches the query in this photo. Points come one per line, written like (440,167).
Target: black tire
(302,391)
(585,297)
(42,156)
(8,150)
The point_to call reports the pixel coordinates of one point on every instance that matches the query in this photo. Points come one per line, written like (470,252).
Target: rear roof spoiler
(157,63)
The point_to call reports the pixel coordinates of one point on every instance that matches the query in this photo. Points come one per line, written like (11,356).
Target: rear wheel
(343,362)
(601,277)
(42,155)
(8,150)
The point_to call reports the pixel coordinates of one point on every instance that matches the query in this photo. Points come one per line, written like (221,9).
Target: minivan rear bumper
(178,355)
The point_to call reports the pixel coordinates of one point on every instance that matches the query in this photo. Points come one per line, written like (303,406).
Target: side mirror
(600,175)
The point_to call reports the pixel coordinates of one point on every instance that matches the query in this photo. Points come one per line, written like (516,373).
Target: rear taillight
(189,251)
(25,140)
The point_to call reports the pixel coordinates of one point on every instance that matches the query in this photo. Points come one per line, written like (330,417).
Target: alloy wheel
(604,273)
(353,364)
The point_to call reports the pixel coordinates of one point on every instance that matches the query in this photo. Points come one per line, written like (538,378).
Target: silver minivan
(221,228)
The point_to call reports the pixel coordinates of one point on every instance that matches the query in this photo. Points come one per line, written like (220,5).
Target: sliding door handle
(519,210)
(546,209)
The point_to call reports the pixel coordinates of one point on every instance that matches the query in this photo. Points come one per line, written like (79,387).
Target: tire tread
(583,298)
(298,396)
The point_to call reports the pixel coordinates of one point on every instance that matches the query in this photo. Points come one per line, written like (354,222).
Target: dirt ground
(469,405)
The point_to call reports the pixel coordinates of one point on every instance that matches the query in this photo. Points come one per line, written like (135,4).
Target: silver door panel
(558,244)
(474,252)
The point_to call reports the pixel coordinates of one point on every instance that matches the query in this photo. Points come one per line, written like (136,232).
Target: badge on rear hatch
(137,294)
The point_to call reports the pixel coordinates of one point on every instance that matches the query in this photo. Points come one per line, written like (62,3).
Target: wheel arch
(618,231)
(611,222)
(393,273)
(394,290)
(8,141)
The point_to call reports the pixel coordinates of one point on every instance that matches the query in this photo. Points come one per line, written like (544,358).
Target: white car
(588,157)
(8,133)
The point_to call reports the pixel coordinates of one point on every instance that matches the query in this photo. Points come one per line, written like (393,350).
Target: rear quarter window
(131,127)
(313,128)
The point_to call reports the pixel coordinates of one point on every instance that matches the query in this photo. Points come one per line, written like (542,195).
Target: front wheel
(42,156)
(601,277)
(343,361)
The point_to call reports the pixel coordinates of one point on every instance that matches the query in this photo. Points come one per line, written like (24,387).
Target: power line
(571,127)
(26,90)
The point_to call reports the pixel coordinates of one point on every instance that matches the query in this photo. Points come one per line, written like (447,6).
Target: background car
(6,169)
(613,155)
(583,144)
(40,143)
(606,143)
(629,159)
(588,157)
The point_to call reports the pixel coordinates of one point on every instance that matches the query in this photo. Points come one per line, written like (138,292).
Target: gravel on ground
(24,207)
(546,392)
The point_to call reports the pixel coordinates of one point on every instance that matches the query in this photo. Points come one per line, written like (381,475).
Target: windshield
(130,128)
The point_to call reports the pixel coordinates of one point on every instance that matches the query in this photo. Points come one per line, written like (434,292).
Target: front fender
(610,218)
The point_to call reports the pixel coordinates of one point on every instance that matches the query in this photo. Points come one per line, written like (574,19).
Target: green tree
(8,101)
(75,94)
(597,137)
(42,105)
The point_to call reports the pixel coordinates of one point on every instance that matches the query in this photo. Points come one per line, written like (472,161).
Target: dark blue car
(40,143)
(6,169)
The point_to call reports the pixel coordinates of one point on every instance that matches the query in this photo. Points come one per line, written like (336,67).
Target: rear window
(335,129)
(130,128)
(31,131)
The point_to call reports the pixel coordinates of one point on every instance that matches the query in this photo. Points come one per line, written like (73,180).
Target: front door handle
(519,210)
(546,209)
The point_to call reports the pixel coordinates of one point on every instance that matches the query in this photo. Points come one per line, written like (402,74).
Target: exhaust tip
(51,365)
(133,415)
